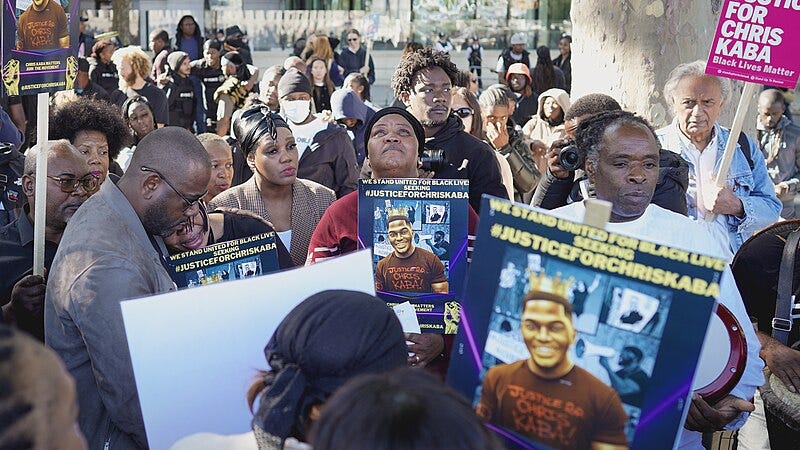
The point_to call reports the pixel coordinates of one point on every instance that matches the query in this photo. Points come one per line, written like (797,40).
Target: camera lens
(571,158)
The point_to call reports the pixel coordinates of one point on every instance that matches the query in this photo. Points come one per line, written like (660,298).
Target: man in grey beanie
(325,150)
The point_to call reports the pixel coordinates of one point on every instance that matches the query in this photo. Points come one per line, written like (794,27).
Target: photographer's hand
(554,166)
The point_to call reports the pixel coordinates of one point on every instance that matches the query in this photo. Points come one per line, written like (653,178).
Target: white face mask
(296,111)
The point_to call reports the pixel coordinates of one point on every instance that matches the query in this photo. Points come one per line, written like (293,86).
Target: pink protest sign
(757,41)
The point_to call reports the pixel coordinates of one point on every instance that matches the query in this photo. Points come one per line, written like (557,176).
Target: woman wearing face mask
(326,152)
(103,71)
(292,205)
(207,228)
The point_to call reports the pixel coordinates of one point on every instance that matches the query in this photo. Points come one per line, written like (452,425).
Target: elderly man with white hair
(747,202)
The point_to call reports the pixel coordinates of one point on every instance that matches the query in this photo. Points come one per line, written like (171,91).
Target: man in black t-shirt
(209,71)
(134,66)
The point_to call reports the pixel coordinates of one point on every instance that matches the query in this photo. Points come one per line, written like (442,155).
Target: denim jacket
(753,187)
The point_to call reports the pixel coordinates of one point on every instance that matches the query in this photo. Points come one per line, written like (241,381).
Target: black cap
(419,132)
(234,30)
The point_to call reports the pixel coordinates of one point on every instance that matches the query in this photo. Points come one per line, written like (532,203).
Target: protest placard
(40,44)
(417,229)
(230,260)
(545,293)
(757,41)
(195,352)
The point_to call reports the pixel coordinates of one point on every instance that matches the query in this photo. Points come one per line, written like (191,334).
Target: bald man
(69,183)
(112,250)
(780,143)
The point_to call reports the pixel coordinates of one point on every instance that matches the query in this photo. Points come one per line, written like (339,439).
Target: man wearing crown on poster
(408,268)
(547,398)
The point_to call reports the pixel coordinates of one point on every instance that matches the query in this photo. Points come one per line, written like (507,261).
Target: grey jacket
(105,256)
(781,149)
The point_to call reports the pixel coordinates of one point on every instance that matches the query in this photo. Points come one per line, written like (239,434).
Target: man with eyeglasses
(353,59)
(70,182)
(112,250)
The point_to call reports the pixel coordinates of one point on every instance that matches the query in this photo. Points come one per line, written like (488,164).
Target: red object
(734,367)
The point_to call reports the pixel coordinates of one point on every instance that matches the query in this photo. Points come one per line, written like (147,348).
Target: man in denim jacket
(747,203)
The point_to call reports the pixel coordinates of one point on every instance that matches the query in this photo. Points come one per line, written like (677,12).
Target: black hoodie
(468,157)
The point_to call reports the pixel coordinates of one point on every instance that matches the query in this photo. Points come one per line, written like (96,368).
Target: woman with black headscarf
(292,205)
(328,339)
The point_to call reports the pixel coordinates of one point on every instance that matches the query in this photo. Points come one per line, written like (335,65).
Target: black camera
(571,157)
(432,159)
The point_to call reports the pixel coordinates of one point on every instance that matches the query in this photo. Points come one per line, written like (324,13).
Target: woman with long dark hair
(188,37)
(321,85)
(546,75)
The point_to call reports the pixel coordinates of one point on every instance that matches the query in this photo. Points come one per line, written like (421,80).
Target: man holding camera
(423,82)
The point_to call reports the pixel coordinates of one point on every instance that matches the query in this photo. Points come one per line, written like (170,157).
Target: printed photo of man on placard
(569,353)
(546,397)
(43,26)
(408,268)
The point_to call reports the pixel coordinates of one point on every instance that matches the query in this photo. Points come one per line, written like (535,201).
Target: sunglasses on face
(69,185)
(463,112)
(352,39)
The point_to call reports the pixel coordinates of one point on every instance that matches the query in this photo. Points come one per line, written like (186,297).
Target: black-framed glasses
(69,185)
(189,203)
(463,112)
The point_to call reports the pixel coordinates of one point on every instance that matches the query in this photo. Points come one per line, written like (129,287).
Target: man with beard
(134,67)
(69,184)
(423,81)
(112,250)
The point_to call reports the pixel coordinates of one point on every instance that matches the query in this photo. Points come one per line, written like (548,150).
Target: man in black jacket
(180,91)
(423,81)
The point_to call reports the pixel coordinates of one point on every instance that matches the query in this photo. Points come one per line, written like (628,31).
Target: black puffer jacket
(673,179)
(467,157)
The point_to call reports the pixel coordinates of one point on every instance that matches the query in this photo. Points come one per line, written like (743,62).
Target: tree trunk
(121,20)
(626,49)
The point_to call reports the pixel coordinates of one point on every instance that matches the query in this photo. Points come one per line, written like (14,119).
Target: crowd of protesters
(155,154)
